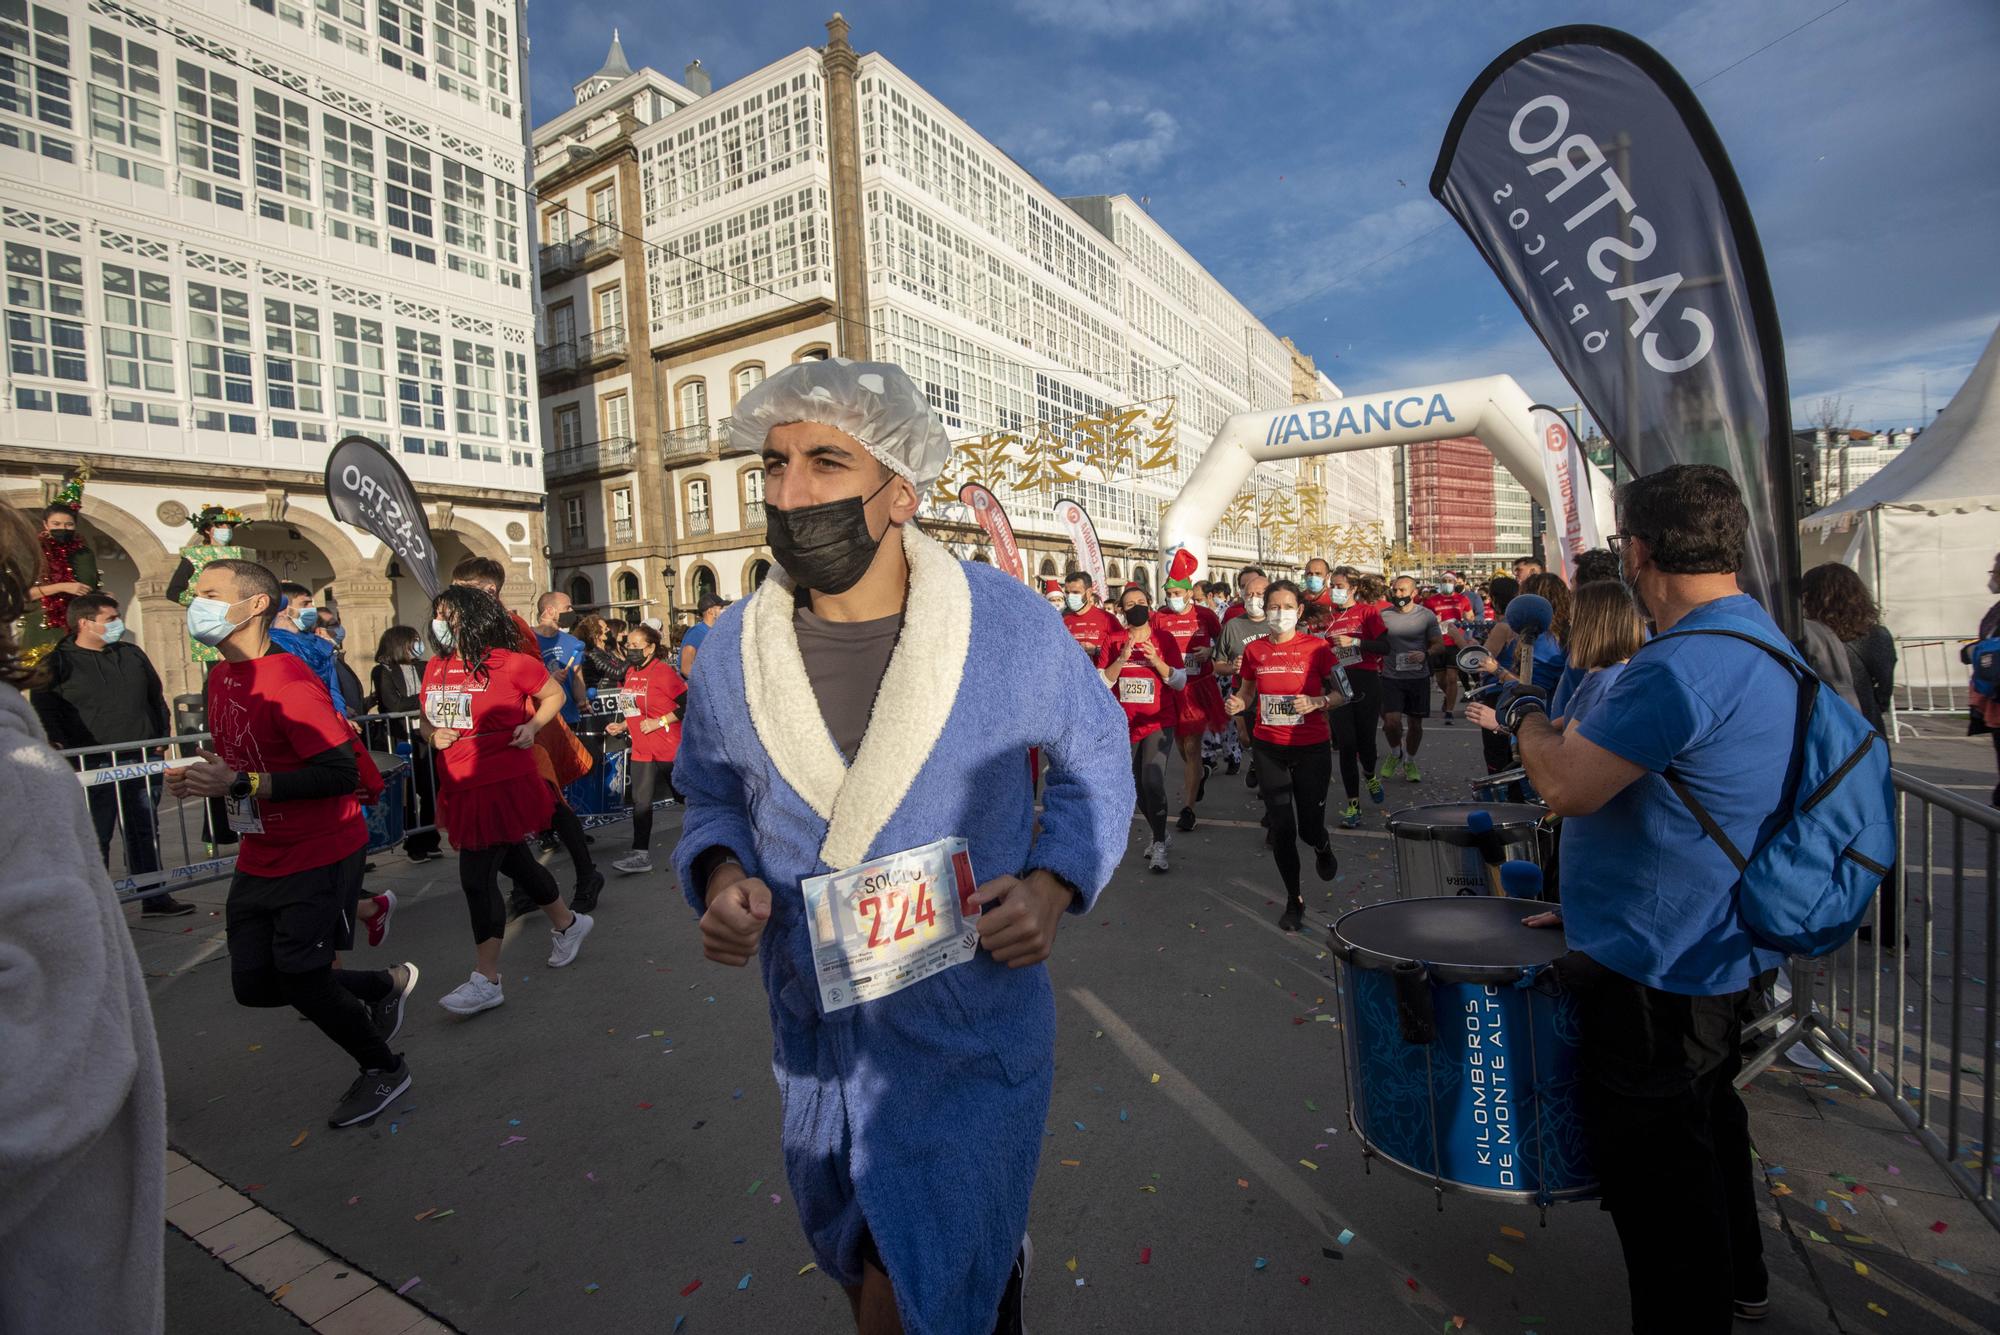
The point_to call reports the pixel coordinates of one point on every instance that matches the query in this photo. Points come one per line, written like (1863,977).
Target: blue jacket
(878,1098)
(316,654)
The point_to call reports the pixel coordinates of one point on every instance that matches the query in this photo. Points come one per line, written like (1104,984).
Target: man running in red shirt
(1353,723)
(1195,632)
(1100,633)
(284,761)
(1452,609)
(1147,674)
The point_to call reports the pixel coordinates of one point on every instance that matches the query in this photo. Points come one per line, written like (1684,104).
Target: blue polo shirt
(1645,892)
(692,640)
(563,649)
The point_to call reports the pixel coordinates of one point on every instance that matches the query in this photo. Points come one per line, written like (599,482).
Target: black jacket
(96,697)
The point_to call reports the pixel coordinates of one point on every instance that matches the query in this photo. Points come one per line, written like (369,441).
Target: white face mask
(1176,604)
(222,534)
(1286,619)
(1073,601)
(1341,597)
(1253,607)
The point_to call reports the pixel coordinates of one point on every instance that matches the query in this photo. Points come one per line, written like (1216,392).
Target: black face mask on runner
(826,548)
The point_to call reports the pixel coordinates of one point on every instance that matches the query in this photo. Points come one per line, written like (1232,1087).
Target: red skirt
(1201,707)
(494,813)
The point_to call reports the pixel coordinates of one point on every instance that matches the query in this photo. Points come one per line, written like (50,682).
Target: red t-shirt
(1149,704)
(484,711)
(1299,666)
(1196,628)
(1449,607)
(656,689)
(269,716)
(1363,621)
(1097,631)
(1230,613)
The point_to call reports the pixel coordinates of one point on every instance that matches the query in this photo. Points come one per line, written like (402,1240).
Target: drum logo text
(1492,1091)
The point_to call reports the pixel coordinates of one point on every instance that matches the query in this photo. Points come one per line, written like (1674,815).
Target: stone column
(161,624)
(367,608)
(850,240)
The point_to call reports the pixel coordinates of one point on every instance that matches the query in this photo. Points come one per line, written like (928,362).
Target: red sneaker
(378,926)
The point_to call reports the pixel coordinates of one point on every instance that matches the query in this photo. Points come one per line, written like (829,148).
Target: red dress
(655,689)
(1201,703)
(490,791)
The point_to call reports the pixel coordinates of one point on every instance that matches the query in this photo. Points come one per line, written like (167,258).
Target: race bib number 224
(886,924)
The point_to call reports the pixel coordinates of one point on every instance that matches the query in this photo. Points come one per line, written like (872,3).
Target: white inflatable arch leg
(1493,408)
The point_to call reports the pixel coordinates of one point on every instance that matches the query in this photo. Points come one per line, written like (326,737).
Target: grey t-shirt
(1409,632)
(845,661)
(1239,631)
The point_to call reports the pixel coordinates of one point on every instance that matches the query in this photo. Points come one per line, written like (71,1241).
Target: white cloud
(1119,18)
(1148,136)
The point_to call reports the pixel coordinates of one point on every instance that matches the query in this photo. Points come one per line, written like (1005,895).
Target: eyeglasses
(1617,541)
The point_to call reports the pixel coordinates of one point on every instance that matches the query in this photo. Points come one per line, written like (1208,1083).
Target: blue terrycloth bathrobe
(917,1116)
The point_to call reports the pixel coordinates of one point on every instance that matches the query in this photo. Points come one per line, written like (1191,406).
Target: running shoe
(519,905)
(1385,767)
(1293,919)
(1375,793)
(1201,789)
(378,926)
(371,1092)
(634,863)
(477,993)
(387,1014)
(564,944)
(1156,856)
(1350,816)
(585,898)
(1447,718)
(1235,767)
(1324,862)
(1187,817)
(1250,776)
(164,906)
(1411,772)
(1012,1318)
(1752,1309)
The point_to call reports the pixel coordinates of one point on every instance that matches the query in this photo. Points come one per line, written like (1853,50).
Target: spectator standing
(327,626)
(562,653)
(292,632)
(216,528)
(1986,708)
(1835,597)
(398,681)
(706,611)
(99,689)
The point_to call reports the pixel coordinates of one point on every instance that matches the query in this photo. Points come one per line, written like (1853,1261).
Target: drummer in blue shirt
(1659,951)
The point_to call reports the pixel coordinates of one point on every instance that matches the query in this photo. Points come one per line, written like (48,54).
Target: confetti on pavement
(591,1287)
(1939,1226)
(299,1140)
(1508,1230)
(1261,1263)
(690,1288)
(744,1282)
(1145,1256)
(808,1267)
(1310,1164)
(1500,1262)
(1071,1264)
(1346,1236)
(409,1284)
(1878,1309)
(512,1140)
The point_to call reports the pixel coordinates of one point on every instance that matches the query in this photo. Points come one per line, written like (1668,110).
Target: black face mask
(567,621)
(1401,599)
(636,657)
(1138,616)
(826,548)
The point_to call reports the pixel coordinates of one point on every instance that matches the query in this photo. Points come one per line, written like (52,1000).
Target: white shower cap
(874,402)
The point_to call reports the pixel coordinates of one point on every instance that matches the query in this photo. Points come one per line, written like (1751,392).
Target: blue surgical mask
(306,618)
(1073,601)
(113,630)
(339,634)
(222,534)
(208,621)
(1340,597)
(1314,583)
(441,632)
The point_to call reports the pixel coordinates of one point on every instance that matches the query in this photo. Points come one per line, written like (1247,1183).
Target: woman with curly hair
(1835,597)
(484,702)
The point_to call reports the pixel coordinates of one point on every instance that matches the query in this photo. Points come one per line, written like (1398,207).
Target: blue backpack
(1985,659)
(1808,887)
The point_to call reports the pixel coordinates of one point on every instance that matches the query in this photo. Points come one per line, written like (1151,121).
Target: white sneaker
(635,862)
(1156,857)
(477,993)
(563,945)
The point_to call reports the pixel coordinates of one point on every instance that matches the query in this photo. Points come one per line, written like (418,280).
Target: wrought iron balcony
(613,452)
(687,445)
(553,359)
(558,260)
(601,243)
(601,347)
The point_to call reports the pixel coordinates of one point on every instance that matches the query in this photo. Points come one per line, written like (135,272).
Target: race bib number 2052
(886,924)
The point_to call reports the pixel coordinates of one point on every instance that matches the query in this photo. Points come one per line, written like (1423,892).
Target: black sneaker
(520,906)
(1749,1309)
(1010,1319)
(1324,862)
(1293,919)
(1234,767)
(164,906)
(387,1014)
(371,1092)
(1187,818)
(585,898)
(1250,776)
(1201,789)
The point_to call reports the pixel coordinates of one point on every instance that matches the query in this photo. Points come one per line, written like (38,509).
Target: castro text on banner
(992,517)
(367,488)
(1083,538)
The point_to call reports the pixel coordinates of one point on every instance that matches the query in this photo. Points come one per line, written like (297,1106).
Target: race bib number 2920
(886,924)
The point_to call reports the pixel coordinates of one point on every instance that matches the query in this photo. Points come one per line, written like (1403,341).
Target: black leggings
(570,830)
(479,876)
(647,776)
(1149,777)
(334,999)
(1293,782)
(1354,729)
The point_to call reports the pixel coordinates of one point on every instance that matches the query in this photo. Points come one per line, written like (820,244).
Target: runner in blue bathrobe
(878,697)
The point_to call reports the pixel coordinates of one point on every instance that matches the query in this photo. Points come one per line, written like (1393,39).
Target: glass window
(611,307)
(464,217)
(748,379)
(138,332)
(573,519)
(45,289)
(282,148)
(411,201)
(208,135)
(344,23)
(292,357)
(694,403)
(697,505)
(753,497)
(617,417)
(455,28)
(499,65)
(518,400)
(218,344)
(569,427)
(401,28)
(125,114)
(359,385)
(475,395)
(420,378)
(36,95)
(347,177)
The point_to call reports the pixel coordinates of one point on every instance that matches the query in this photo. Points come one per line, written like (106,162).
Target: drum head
(1462,938)
(1447,820)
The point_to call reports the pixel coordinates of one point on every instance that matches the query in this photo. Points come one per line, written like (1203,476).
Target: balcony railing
(697,525)
(600,347)
(686,445)
(553,359)
(591,456)
(621,530)
(594,247)
(558,259)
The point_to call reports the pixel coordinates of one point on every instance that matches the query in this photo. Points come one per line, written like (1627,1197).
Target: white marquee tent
(1923,532)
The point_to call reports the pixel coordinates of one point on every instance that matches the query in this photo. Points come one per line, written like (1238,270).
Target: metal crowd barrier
(1909,1015)
(161,843)
(1930,679)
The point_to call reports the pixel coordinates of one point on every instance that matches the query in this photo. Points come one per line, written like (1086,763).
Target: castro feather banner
(367,488)
(1083,537)
(1584,170)
(992,517)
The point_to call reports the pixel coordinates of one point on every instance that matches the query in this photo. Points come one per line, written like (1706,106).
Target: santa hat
(1180,570)
(1051,586)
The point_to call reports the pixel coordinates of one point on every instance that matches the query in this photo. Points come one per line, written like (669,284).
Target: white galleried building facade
(827,205)
(236,231)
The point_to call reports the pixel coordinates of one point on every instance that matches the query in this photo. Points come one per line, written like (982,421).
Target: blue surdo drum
(1461,1048)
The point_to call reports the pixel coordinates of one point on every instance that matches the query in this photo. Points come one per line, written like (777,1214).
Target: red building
(1451,496)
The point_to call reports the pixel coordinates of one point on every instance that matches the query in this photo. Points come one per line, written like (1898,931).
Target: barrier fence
(157,843)
(1909,1012)
(1930,679)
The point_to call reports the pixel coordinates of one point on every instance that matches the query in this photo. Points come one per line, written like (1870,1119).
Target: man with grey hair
(843,781)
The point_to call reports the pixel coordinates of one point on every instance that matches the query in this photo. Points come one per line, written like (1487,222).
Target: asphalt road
(607,1141)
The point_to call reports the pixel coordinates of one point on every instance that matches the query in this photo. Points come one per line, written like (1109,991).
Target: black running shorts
(295,923)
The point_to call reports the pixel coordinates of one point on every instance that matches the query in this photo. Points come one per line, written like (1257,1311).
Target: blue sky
(1286,144)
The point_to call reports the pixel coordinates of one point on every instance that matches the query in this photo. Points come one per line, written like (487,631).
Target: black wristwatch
(239,787)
